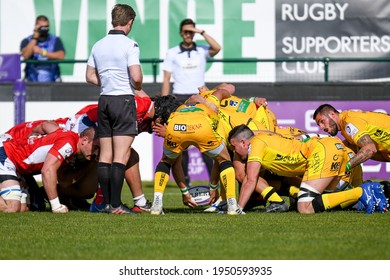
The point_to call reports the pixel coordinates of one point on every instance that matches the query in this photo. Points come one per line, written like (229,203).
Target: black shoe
(386,188)
(275,207)
(121,209)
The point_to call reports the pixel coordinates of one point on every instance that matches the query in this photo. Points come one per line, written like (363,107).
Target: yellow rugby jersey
(283,156)
(314,159)
(354,124)
(229,120)
(198,111)
(267,118)
(234,104)
(206,93)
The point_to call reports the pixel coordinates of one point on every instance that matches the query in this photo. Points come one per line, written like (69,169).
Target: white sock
(140,200)
(158,196)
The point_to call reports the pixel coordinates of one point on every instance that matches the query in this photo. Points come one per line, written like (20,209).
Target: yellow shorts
(194,129)
(328,159)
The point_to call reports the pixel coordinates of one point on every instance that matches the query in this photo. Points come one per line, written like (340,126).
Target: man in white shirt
(186,63)
(114,66)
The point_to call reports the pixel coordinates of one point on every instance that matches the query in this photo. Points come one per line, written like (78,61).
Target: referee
(114,66)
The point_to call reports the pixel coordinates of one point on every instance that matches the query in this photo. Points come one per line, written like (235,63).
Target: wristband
(213,187)
(55,203)
(305,138)
(252,99)
(184,191)
(44,53)
(201,33)
(348,167)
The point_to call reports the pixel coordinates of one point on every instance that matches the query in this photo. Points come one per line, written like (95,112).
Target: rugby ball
(200,194)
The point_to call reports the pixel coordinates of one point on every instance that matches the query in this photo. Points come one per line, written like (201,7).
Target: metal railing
(326,61)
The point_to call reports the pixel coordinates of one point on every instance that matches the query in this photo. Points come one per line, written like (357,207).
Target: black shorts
(183,97)
(117,116)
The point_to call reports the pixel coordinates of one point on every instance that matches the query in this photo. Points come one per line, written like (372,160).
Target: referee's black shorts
(183,97)
(117,116)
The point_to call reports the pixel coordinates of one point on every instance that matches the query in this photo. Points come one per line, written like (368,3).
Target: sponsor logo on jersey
(316,163)
(286,158)
(190,108)
(382,134)
(171,144)
(351,130)
(243,107)
(339,146)
(335,166)
(66,150)
(194,126)
(179,127)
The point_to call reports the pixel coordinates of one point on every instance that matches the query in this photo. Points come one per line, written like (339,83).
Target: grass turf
(193,235)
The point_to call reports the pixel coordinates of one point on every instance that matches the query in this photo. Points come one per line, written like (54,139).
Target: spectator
(187,64)
(114,66)
(42,45)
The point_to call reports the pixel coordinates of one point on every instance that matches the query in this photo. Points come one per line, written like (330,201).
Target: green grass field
(193,235)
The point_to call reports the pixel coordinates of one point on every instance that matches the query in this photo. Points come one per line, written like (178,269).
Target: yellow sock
(344,198)
(293,191)
(270,195)
(222,193)
(228,180)
(160,181)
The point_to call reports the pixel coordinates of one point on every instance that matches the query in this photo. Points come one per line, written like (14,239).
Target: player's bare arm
(366,151)
(91,76)
(249,183)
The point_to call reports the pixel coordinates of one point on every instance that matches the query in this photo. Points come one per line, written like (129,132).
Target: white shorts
(7,168)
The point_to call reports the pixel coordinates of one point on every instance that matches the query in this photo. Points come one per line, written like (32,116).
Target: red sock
(99,196)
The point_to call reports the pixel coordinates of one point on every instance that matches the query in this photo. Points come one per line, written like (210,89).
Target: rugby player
(321,163)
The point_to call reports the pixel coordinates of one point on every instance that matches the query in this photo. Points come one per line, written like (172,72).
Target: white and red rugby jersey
(29,154)
(24,130)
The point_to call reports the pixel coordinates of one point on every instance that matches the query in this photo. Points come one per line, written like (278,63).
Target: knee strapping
(318,204)
(307,193)
(11,193)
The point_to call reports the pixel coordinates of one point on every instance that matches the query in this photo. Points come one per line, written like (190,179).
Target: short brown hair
(324,109)
(121,14)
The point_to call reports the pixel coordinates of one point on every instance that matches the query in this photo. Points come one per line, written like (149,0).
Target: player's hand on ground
(188,201)
(61,209)
(213,196)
